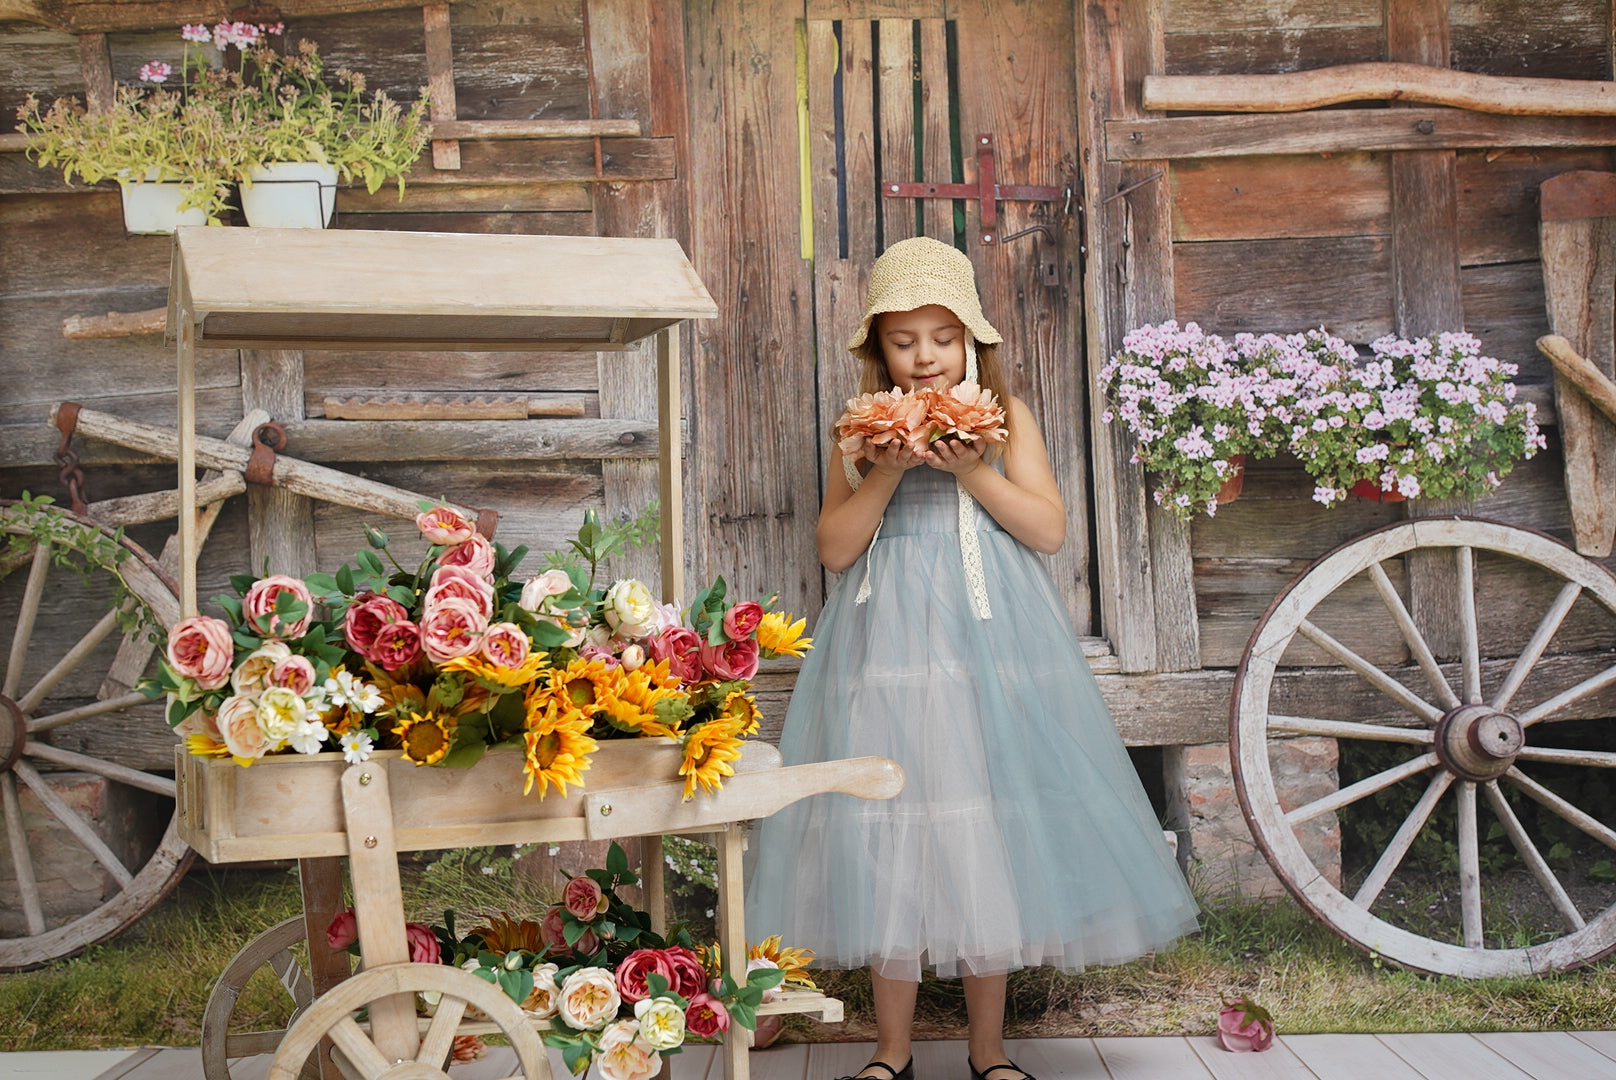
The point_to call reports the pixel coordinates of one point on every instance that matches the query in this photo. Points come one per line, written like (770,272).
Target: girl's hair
(874,378)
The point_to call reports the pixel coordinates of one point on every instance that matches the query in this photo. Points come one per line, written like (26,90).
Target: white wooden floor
(1582,1055)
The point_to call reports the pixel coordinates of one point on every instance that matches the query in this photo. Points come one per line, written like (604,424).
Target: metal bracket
(268,439)
(985,191)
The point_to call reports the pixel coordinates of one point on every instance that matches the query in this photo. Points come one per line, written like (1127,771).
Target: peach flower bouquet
(918,418)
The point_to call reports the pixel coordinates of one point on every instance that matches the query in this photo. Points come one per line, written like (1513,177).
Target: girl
(1022,835)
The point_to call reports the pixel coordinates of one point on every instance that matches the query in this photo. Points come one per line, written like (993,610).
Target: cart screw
(364,779)
(605,809)
(370,841)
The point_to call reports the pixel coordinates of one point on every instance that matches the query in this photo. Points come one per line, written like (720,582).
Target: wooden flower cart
(294,289)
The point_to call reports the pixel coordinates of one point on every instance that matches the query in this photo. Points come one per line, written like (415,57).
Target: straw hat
(919,271)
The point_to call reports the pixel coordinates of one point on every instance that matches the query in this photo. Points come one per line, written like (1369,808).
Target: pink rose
(538,591)
(681,648)
(200,649)
(598,652)
(731,660)
(552,935)
(443,525)
(459,581)
(238,724)
(396,645)
(633,969)
(366,616)
(295,673)
(201,722)
(741,621)
(688,974)
(474,553)
(584,898)
(258,606)
(504,644)
(1243,1026)
(454,627)
(343,931)
(706,1017)
(424,948)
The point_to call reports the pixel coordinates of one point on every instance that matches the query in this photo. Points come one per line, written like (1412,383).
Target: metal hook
(1045,229)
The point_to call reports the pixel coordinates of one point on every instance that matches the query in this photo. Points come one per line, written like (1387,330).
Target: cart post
(670,453)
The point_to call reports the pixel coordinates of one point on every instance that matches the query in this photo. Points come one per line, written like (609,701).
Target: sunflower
(399,695)
(739,714)
(584,687)
(558,745)
(636,696)
(777,635)
(493,676)
(793,961)
(204,745)
(426,738)
(709,749)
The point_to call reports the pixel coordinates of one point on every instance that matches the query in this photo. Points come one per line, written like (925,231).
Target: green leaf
(345,580)
(573,930)
(465,754)
(1603,870)
(616,859)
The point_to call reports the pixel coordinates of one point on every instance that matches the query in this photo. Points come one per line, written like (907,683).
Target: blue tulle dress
(1022,836)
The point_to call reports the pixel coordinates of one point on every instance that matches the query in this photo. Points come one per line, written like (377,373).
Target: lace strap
(971,554)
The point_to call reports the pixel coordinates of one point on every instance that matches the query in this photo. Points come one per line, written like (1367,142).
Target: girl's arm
(1025,499)
(848,518)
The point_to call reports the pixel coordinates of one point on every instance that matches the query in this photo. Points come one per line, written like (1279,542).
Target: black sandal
(905,1073)
(1007,1064)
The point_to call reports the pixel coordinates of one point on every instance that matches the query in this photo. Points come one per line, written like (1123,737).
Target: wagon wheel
(270,951)
(1469,731)
(332,1015)
(57,583)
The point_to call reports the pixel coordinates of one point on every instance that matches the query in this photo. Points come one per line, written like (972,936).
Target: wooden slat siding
(751,368)
(554,223)
(938,160)
(38,61)
(280,525)
(1504,307)
(81,16)
(1019,86)
(896,83)
(1285,286)
(440,80)
(1498,203)
(1115,40)
(96,59)
(1346,130)
(1271,51)
(1265,197)
(467,199)
(1568,39)
(1190,16)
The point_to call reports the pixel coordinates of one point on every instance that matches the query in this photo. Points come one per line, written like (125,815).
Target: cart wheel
(1458,737)
(272,951)
(66,683)
(332,1015)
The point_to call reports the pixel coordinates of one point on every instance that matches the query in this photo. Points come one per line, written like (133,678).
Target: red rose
(424,947)
(681,648)
(741,621)
(635,967)
(343,931)
(706,1017)
(731,660)
(688,975)
(366,616)
(397,644)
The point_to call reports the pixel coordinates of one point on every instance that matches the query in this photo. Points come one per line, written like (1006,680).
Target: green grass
(150,984)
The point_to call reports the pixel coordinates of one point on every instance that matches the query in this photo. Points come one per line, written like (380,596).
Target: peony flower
(688,975)
(397,644)
(463,582)
(630,609)
(444,525)
(258,606)
(295,673)
(681,648)
(633,969)
(741,621)
(365,618)
(200,649)
(505,645)
(474,553)
(968,412)
(624,1055)
(424,947)
(545,997)
(539,590)
(706,1017)
(1244,1026)
(467,1048)
(731,660)
(239,728)
(454,627)
(881,419)
(252,674)
(633,657)
(662,1022)
(589,998)
(343,931)
(584,898)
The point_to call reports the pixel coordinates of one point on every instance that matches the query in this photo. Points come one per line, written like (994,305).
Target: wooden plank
(280,524)
(448,440)
(1348,1057)
(1451,1057)
(1288,46)
(1547,1055)
(452,406)
(1603,1041)
(1275,1063)
(1157,1057)
(1185,16)
(1283,286)
(1334,131)
(1498,201)
(440,82)
(96,59)
(82,16)
(1056,1057)
(1568,39)
(938,214)
(467,198)
(1504,307)
(1268,197)
(895,83)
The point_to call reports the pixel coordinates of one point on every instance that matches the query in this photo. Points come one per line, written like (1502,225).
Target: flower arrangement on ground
(456,655)
(918,418)
(613,992)
(1427,417)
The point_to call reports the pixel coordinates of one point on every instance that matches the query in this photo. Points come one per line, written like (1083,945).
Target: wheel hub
(13,733)
(1478,743)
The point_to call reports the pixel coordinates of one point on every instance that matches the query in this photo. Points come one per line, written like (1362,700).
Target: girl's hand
(956,456)
(894,458)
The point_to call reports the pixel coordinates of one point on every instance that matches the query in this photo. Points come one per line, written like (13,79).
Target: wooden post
(321,883)
(732,938)
(186,332)
(440,82)
(95,59)
(379,901)
(671,450)
(280,524)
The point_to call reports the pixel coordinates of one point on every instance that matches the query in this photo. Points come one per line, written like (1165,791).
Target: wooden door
(905,90)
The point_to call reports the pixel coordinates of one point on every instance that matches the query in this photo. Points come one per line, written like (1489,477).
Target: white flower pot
(152,206)
(290,195)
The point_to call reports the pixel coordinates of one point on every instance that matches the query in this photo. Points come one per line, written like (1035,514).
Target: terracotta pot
(1230,491)
(1368,489)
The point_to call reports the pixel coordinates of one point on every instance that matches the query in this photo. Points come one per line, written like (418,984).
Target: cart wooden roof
(352,289)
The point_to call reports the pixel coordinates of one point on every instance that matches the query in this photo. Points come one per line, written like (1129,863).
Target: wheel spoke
(1588,824)
(25,619)
(439,1038)
(1371,674)
(21,860)
(357,1047)
(1590,685)
(146,781)
(85,712)
(1412,636)
(74,656)
(1349,729)
(1599,759)
(1392,857)
(74,823)
(1353,792)
(1469,632)
(1469,866)
(1546,629)
(290,974)
(1531,856)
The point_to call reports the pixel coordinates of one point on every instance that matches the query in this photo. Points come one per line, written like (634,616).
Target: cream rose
(239,728)
(545,997)
(252,674)
(539,590)
(662,1022)
(631,609)
(589,999)
(280,711)
(626,1056)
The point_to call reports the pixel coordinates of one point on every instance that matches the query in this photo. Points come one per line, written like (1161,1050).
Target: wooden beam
(440,83)
(1390,81)
(1149,138)
(534,129)
(95,58)
(107,16)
